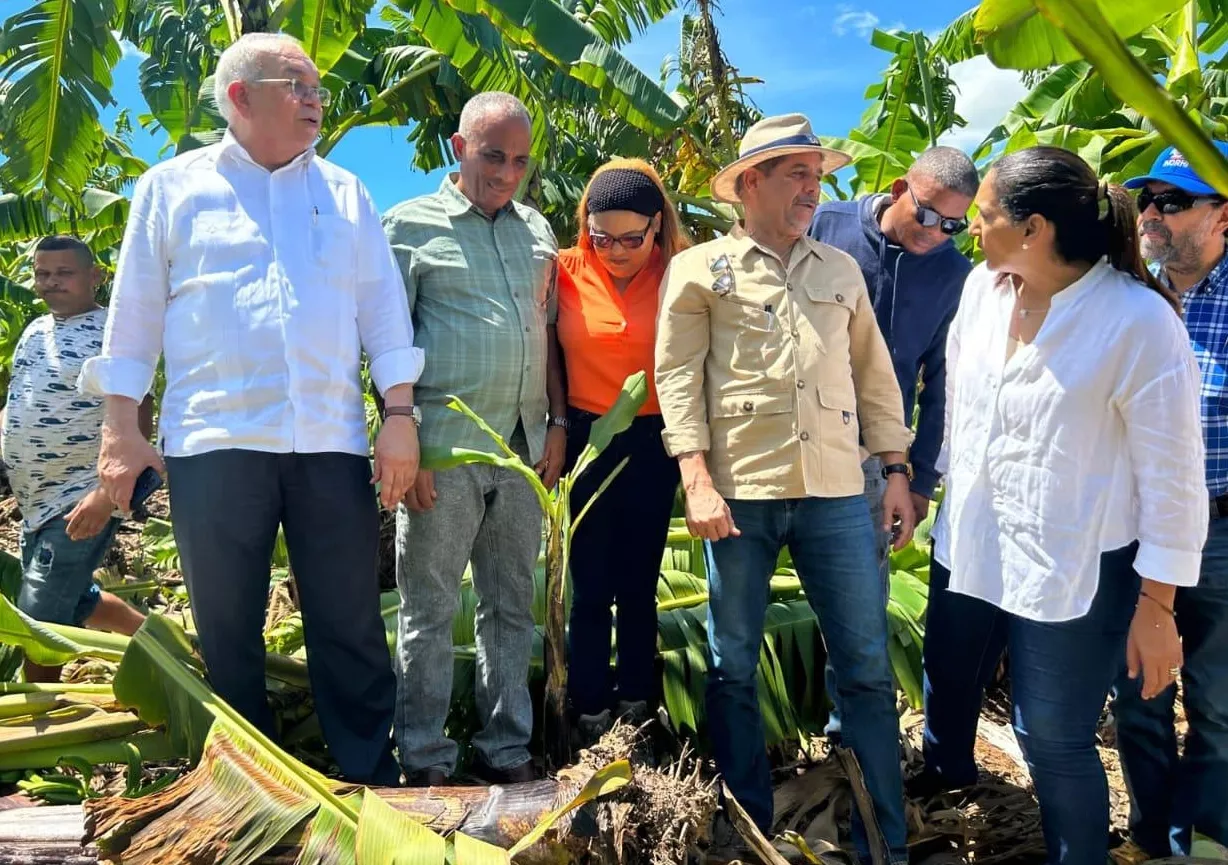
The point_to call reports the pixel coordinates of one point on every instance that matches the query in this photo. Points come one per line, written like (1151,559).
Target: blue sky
(813,57)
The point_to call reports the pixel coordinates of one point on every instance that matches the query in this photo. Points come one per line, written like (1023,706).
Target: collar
(231,147)
(744,244)
(1068,294)
(456,204)
(1215,281)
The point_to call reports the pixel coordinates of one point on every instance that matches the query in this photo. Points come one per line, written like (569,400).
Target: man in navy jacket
(915,275)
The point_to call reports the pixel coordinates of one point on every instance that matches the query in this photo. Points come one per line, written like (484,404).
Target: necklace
(1024,313)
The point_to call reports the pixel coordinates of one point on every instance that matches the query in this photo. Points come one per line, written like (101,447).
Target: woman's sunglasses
(929,217)
(634,240)
(1172,201)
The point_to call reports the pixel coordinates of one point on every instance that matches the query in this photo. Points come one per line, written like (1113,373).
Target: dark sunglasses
(1172,201)
(634,240)
(929,217)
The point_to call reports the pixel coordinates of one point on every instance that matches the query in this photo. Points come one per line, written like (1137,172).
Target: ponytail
(1124,251)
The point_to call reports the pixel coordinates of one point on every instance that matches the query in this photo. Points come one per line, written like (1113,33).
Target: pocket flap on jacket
(753,402)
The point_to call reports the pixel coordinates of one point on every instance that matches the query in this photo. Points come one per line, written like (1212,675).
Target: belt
(1219,507)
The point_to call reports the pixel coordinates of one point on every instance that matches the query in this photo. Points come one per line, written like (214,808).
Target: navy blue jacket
(914,298)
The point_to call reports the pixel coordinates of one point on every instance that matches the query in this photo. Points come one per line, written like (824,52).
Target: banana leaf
(1022,34)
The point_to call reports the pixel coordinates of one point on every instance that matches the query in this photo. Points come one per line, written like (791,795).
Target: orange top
(606,335)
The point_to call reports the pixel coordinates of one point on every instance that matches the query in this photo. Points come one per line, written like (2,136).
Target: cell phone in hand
(146,484)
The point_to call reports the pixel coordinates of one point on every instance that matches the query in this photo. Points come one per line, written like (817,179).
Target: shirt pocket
(839,431)
(333,244)
(753,333)
(221,244)
(829,308)
(750,426)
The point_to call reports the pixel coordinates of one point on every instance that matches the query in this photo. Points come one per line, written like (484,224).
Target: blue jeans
(833,547)
(1170,796)
(57,583)
(876,486)
(1061,673)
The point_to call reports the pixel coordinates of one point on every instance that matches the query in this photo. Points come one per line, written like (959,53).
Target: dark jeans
(1061,673)
(226,506)
(1171,796)
(833,547)
(616,560)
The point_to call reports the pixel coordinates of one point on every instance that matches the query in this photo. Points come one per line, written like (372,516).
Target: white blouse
(1084,441)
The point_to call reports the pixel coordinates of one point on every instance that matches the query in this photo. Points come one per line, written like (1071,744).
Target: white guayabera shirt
(261,289)
(1083,442)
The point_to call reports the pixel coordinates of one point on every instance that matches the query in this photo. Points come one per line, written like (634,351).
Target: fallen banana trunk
(657,818)
(497,815)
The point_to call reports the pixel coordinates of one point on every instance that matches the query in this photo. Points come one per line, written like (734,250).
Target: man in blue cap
(1182,225)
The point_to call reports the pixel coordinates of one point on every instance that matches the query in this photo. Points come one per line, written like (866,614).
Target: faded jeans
(876,486)
(490,516)
(832,543)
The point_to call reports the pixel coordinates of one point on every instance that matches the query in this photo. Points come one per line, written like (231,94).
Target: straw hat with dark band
(771,137)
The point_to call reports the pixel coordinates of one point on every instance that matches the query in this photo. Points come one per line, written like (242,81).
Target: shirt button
(805,436)
(526,330)
(789,286)
(515,294)
(801,385)
(748,406)
(794,334)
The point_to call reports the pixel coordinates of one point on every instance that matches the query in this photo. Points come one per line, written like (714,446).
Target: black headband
(625,189)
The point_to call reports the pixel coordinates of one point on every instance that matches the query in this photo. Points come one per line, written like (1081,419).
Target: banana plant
(910,109)
(560,524)
(1117,82)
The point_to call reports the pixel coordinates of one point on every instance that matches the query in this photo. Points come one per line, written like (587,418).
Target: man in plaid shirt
(1182,226)
(480,271)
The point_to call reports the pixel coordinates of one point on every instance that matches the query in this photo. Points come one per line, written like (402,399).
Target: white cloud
(129,50)
(985,95)
(860,21)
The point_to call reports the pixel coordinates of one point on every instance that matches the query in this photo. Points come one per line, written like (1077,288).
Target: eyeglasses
(1171,201)
(929,217)
(634,240)
(301,91)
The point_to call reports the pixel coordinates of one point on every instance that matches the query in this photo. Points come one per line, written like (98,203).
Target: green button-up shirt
(482,292)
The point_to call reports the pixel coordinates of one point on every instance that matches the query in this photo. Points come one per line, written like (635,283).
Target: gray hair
(491,105)
(245,60)
(951,168)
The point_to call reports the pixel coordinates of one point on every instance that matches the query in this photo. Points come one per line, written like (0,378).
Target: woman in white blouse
(1075,495)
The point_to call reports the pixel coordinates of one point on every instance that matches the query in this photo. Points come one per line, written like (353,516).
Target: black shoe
(432,777)
(522,774)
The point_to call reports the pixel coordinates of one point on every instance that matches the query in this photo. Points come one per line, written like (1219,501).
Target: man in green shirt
(480,270)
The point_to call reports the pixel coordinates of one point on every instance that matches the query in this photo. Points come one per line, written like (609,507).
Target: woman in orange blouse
(609,285)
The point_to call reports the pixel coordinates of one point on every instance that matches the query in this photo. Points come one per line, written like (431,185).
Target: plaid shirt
(1206,317)
(482,292)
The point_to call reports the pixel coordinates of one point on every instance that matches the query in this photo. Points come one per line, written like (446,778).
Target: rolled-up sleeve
(384,324)
(880,405)
(683,338)
(132,341)
(1159,404)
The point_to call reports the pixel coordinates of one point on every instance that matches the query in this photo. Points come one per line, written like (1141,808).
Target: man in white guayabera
(261,273)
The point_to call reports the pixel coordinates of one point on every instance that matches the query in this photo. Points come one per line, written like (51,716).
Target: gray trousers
(225,509)
(488,516)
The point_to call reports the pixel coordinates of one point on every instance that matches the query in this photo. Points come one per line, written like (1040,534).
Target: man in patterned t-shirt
(50,447)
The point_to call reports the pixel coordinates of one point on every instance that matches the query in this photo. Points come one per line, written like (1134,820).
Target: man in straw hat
(771,369)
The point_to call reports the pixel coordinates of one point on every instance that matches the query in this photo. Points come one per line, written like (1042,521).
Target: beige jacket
(775,370)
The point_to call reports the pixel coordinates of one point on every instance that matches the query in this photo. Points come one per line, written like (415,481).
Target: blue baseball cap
(1172,167)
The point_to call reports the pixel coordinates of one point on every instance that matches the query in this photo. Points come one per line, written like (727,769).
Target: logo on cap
(1176,160)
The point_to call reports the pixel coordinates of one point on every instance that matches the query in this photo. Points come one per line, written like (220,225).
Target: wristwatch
(558,421)
(412,412)
(898,469)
